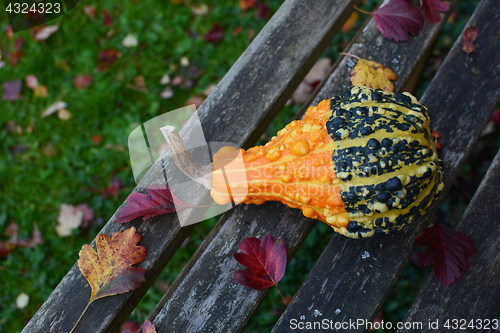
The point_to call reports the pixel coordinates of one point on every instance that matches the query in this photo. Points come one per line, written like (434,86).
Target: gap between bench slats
(475,295)
(342,285)
(206,297)
(239,109)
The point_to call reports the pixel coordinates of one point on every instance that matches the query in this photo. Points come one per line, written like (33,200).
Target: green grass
(35,182)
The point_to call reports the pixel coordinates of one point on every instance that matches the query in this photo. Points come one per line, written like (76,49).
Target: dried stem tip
(200,174)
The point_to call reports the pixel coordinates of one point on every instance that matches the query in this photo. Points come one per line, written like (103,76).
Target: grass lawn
(47,161)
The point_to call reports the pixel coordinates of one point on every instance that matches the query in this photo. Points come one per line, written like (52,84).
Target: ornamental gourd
(363,163)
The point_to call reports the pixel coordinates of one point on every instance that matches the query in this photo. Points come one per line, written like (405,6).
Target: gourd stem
(200,174)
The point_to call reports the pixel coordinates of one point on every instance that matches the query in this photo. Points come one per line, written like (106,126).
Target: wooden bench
(342,285)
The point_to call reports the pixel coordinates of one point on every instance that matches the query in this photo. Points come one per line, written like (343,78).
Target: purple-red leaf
(12,90)
(266,261)
(447,249)
(432,8)
(215,35)
(158,201)
(396,19)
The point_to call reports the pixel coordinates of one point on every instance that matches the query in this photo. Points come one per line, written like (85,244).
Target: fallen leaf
(130,326)
(266,262)
(36,239)
(17,149)
(196,100)
(184,61)
(237,30)
(167,93)
(371,74)
(31,81)
(96,139)
(178,80)
(130,41)
(209,89)
(107,18)
(247,4)
(165,79)
(200,10)
(263,11)
(64,114)
(107,58)
(396,19)
(70,217)
(215,35)
(82,81)
(12,90)
(10,126)
(49,150)
(495,117)
(113,189)
(40,91)
(139,84)
(432,8)
(109,271)
(9,32)
(18,43)
(4,250)
(14,57)
(251,33)
(148,327)
(89,11)
(316,74)
(54,108)
(158,201)
(470,35)
(446,248)
(22,301)
(45,32)
(350,23)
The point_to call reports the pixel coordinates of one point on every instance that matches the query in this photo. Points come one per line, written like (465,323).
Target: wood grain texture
(216,308)
(238,111)
(352,278)
(476,294)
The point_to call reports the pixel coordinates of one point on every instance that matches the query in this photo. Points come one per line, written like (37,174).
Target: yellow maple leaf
(109,271)
(372,74)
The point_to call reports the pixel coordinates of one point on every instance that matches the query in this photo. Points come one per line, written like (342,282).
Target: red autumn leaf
(112,189)
(247,4)
(470,35)
(107,58)
(130,326)
(4,250)
(432,8)
(263,11)
(158,201)
(107,18)
(215,35)
(446,248)
(96,139)
(82,81)
(266,262)
(17,53)
(12,90)
(495,117)
(396,19)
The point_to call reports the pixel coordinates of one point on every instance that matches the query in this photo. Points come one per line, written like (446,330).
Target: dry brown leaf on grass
(109,271)
(371,74)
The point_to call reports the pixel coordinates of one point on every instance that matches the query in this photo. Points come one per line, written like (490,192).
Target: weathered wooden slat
(476,294)
(238,111)
(217,307)
(351,279)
